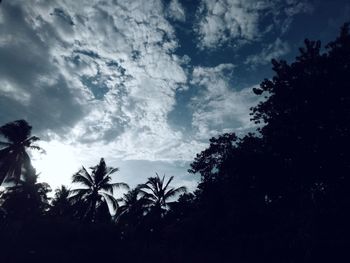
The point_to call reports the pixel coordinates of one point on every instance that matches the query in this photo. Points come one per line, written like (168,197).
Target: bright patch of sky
(144,84)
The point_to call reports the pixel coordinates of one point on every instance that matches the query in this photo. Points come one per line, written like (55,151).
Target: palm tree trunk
(93,207)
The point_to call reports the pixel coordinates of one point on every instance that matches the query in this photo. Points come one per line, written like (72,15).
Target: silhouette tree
(61,205)
(97,189)
(289,180)
(26,198)
(307,118)
(130,216)
(183,208)
(207,162)
(14,160)
(134,206)
(158,192)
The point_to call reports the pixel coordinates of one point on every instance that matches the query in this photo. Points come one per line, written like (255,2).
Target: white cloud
(95,79)
(111,59)
(274,50)
(176,11)
(218,108)
(241,21)
(10,91)
(99,79)
(295,7)
(28,69)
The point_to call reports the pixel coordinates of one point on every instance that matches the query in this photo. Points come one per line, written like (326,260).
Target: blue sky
(144,84)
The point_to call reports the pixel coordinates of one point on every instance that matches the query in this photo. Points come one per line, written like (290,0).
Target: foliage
(158,192)
(97,189)
(208,162)
(294,174)
(134,206)
(61,205)
(26,198)
(14,160)
(307,117)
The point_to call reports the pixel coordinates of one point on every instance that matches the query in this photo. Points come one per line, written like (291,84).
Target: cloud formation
(236,22)
(218,108)
(97,68)
(101,78)
(176,11)
(31,83)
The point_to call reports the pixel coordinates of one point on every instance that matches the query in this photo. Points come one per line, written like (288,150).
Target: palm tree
(26,197)
(14,160)
(134,205)
(61,205)
(97,189)
(158,192)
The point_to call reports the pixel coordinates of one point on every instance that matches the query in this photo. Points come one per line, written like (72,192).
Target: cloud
(271,51)
(32,86)
(236,22)
(95,79)
(295,7)
(218,108)
(176,11)
(99,79)
(92,71)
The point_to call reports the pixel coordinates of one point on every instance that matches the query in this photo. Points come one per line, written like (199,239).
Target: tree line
(92,196)
(279,194)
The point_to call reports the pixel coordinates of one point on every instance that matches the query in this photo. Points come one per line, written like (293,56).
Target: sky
(144,84)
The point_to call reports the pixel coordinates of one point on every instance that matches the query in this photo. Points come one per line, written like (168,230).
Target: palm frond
(87,174)
(148,195)
(4,151)
(174,191)
(146,186)
(144,201)
(111,170)
(104,181)
(83,177)
(36,147)
(154,182)
(169,181)
(120,186)
(110,188)
(111,201)
(79,198)
(78,178)
(16,131)
(6,144)
(99,171)
(78,191)
(33,139)
(161,182)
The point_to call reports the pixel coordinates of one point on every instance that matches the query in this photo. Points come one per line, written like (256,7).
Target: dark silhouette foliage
(26,198)
(158,192)
(134,206)
(14,160)
(61,205)
(96,190)
(285,182)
